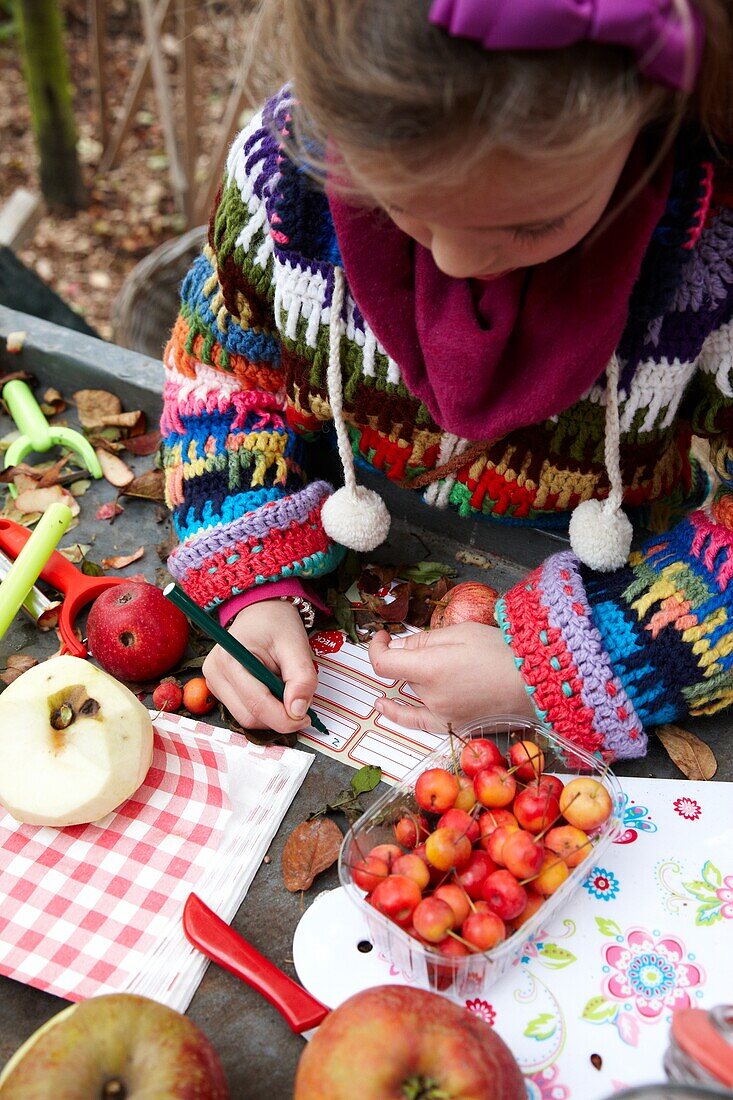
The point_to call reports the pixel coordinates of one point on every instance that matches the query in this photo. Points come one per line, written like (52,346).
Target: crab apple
(553,873)
(494,786)
(534,902)
(436,790)
(490,821)
(442,975)
(585,803)
(387,852)
(472,876)
(522,854)
(479,753)
(466,797)
(536,809)
(459,819)
(414,867)
(549,782)
(409,830)
(458,900)
(168,696)
(569,843)
(498,839)
(433,918)
(367,873)
(197,697)
(483,930)
(436,877)
(397,897)
(447,849)
(528,759)
(504,894)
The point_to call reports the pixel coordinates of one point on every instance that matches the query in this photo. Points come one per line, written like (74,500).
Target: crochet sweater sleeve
(236,471)
(604,655)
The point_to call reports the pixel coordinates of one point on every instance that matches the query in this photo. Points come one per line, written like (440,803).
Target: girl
(514,295)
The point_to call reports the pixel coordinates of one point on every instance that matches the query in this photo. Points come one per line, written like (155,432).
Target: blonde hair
(375,77)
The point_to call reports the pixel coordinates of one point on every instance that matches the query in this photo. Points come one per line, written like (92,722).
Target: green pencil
(234,648)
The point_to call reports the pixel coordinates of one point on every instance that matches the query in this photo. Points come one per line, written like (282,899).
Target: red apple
(396,897)
(522,854)
(447,849)
(472,876)
(168,696)
(135,633)
(459,819)
(432,919)
(552,874)
(504,894)
(436,790)
(410,830)
(368,873)
(457,898)
(536,808)
(483,930)
(386,852)
(569,843)
(498,839)
(479,753)
(392,1041)
(467,602)
(534,902)
(495,787)
(414,867)
(528,759)
(466,797)
(116,1045)
(492,820)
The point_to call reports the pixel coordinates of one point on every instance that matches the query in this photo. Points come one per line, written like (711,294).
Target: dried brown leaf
(109,511)
(119,561)
(691,755)
(35,500)
(16,665)
(394,610)
(76,553)
(79,488)
(312,847)
(149,486)
(144,444)
(375,576)
(53,400)
(116,472)
(94,406)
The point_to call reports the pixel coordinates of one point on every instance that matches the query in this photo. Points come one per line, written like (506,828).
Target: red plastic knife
(220,943)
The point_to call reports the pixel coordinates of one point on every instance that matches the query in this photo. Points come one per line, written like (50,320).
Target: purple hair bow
(668,48)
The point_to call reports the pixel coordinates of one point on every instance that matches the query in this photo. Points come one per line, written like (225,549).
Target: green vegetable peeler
(31,561)
(37,434)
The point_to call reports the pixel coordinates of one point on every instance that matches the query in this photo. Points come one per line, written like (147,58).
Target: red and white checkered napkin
(81,907)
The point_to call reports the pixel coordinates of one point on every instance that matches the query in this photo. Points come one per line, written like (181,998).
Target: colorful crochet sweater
(603,655)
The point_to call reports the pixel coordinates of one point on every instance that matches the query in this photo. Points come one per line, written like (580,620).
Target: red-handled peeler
(77,588)
(220,943)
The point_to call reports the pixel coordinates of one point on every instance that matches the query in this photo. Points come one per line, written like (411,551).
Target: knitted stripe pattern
(246,395)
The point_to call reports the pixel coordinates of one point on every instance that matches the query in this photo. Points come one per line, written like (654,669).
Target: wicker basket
(145,310)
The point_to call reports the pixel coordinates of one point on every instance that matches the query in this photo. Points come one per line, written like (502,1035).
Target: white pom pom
(600,538)
(359,520)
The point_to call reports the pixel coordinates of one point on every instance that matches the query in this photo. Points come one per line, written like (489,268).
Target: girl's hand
(273,630)
(460,673)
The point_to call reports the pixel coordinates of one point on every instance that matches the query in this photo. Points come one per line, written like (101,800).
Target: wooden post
(40,32)
(188,110)
(96,34)
(165,106)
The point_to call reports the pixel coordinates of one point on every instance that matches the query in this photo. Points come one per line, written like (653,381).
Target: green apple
(117,1047)
(74,744)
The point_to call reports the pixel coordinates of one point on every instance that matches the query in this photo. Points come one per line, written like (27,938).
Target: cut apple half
(74,744)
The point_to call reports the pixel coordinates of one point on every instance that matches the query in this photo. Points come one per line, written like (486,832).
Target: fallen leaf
(116,472)
(79,488)
(691,755)
(134,421)
(427,572)
(375,576)
(109,510)
(94,406)
(14,342)
(137,577)
(393,610)
(312,847)
(38,500)
(53,400)
(149,486)
(16,665)
(119,561)
(144,444)
(91,569)
(76,553)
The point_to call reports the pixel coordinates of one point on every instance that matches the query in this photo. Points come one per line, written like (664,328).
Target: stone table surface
(256,1047)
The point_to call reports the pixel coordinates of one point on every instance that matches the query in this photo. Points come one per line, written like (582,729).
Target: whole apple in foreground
(74,744)
(135,632)
(117,1047)
(468,602)
(397,1041)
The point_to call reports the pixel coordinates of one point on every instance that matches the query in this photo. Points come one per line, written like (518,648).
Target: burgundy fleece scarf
(487,358)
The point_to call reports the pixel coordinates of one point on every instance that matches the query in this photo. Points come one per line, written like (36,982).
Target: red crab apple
(585,803)
(528,759)
(436,790)
(368,873)
(457,898)
(464,822)
(135,632)
(119,1045)
(536,808)
(447,849)
(472,876)
(398,1041)
(412,867)
(504,894)
(466,797)
(433,918)
(479,753)
(469,602)
(569,843)
(491,821)
(495,787)
(396,897)
(483,930)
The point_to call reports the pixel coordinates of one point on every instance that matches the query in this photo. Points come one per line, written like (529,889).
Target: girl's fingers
(407,662)
(246,698)
(413,718)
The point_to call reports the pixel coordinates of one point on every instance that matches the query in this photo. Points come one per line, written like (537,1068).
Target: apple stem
(466,943)
(454,759)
